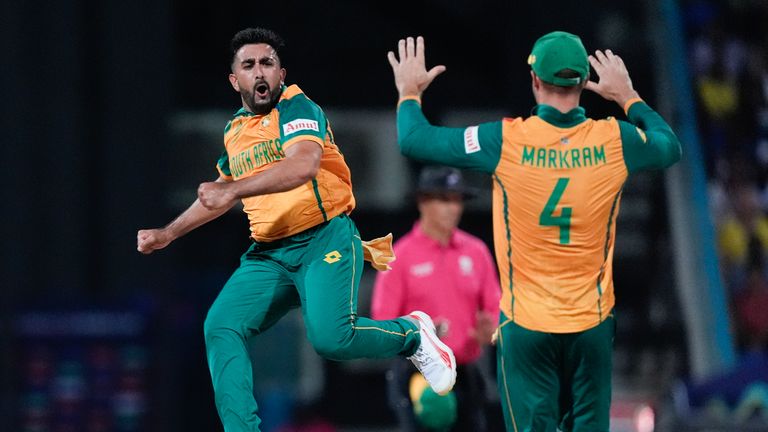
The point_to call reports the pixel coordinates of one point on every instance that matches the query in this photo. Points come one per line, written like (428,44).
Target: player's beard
(259,105)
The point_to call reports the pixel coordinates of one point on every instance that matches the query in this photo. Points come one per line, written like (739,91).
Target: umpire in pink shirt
(450,275)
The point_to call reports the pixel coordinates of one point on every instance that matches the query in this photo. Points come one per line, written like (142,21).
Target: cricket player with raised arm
(557,182)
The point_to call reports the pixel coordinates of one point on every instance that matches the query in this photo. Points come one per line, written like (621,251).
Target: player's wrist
(626,97)
(407,98)
(234,190)
(409,91)
(169,233)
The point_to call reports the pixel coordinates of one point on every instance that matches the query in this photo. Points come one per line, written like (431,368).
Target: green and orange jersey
(254,143)
(557,183)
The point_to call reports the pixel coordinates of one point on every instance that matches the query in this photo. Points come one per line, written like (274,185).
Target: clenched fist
(216,195)
(150,240)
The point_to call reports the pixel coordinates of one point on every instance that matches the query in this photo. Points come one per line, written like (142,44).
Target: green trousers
(319,270)
(555,380)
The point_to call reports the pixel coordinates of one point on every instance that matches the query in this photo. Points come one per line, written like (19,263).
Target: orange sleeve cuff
(630,103)
(405,98)
(302,138)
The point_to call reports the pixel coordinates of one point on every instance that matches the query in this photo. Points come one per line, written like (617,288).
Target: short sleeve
(301,120)
(223,166)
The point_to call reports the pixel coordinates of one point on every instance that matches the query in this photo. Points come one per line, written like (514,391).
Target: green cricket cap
(555,52)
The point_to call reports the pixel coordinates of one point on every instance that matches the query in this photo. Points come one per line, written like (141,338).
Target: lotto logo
(300,124)
(332,257)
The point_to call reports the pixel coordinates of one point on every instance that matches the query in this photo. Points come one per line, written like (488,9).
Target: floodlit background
(112,112)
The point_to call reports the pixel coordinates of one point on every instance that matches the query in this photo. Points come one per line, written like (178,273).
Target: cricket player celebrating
(558,177)
(281,161)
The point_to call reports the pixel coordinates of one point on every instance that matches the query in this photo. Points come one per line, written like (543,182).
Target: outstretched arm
(649,142)
(214,198)
(150,240)
(475,147)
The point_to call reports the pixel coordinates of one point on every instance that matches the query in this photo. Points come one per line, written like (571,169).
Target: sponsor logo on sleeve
(300,125)
(471,140)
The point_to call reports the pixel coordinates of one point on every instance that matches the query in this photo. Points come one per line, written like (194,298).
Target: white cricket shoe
(433,358)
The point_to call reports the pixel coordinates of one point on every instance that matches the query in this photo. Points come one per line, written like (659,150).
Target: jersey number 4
(547,217)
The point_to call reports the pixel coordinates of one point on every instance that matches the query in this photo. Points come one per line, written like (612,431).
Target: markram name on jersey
(563,158)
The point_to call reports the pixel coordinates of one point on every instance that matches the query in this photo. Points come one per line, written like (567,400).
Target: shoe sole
(442,348)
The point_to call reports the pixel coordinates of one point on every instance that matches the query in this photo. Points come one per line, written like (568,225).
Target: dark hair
(255,36)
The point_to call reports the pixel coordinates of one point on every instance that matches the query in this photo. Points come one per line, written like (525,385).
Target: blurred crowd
(728,48)
(729,64)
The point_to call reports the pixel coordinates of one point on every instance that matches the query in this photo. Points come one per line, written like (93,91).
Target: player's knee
(327,348)
(216,327)
(331,345)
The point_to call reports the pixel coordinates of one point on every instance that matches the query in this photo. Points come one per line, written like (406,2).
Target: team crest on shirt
(564,140)
(423,269)
(466,265)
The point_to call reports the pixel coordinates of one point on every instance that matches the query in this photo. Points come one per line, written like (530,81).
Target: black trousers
(469,391)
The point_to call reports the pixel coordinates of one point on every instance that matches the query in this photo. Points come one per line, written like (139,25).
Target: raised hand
(411,75)
(614,84)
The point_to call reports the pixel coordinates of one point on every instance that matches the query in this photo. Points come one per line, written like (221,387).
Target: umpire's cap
(435,180)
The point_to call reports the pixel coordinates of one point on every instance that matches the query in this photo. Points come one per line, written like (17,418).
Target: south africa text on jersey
(563,158)
(256,156)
